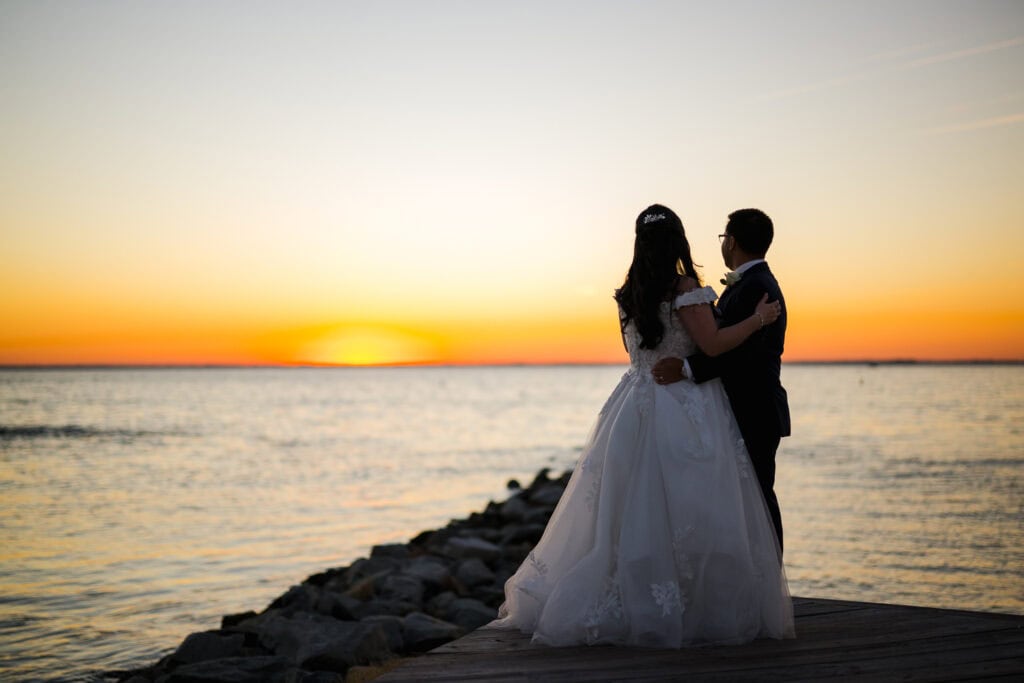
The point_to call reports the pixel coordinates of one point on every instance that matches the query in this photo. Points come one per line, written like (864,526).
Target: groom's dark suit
(750,375)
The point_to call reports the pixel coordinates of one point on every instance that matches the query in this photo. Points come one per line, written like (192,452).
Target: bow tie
(731,278)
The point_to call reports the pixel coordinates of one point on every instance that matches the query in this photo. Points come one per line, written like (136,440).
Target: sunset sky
(456,182)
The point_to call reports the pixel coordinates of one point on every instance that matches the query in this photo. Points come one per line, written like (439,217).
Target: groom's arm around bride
(750,372)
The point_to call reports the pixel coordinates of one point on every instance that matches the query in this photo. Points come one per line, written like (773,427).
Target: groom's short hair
(752,230)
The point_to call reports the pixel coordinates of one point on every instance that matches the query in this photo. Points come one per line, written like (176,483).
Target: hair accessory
(653,217)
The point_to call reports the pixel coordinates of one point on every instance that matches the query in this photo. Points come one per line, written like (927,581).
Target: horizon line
(308,366)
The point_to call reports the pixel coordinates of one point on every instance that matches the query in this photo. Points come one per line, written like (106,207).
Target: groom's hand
(668,371)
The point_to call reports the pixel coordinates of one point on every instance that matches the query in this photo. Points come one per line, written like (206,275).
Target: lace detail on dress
(666,596)
(605,608)
(540,567)
(703,295)
(743,463)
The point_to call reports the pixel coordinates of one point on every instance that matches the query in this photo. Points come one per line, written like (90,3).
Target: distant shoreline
(453,366)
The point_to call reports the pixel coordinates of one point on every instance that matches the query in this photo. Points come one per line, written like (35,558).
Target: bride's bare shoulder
(686,284)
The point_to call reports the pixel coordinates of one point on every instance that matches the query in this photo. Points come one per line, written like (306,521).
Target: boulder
(397,551)
(207,645)
(402,587)
(431,570)
(319,643)
(397,608)
(422,632)
(463,548)
(438,605)
(514,509)
(473,572)
(392,626)
(547,495)
(470,613)
(232,670)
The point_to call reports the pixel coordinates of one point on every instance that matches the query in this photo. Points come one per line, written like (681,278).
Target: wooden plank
(859,641)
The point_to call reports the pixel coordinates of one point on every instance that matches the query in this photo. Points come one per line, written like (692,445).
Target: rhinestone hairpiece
(653,217)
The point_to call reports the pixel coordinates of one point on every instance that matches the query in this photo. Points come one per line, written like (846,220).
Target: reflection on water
(904,484)
(138,506)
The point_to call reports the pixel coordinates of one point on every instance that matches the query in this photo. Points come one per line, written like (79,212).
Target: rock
(540,479)
(470,614)
(201,647)
(320,643)
(366,587)
(326,576)
(438,605)
(461,548)
(423,632)
(229,620)
(432,571)
(514,509)
(402,587)
(231,670)
(492,596)
(473,572)
(362,568)
(397,551)
(538,515)
(513,485)
(547,495)
(392,626)
(397,608)
(519,533)
(309,598)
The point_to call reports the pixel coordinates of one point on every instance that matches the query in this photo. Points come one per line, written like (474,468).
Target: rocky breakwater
(349,623)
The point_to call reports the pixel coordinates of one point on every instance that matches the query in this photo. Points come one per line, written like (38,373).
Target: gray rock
(231,670)
(492,596)
(433,571)
(392,626)
(319,643)
(363,568)
(514,509)
(423,632)
(470,613)
(538,515)
(438,605)
(229,620)
(201,647)
(548,495)
(473,572)
(397,608)
(519,533)
(397,551)
(463,548)
(336,605)
(402,587)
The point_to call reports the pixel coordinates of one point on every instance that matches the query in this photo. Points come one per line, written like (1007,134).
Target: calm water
(139,506)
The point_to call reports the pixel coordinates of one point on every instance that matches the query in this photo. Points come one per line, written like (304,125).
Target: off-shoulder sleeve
(704,295)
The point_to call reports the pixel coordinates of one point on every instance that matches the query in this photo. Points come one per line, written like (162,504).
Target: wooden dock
(835,639)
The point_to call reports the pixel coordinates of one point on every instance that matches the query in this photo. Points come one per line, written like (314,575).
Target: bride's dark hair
(660,255)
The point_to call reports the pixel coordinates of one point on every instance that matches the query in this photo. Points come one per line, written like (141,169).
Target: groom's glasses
(721,238)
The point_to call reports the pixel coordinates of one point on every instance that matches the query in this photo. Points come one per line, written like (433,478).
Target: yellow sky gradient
(454,182)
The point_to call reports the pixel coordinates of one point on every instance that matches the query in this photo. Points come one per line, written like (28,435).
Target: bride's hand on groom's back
(768,311)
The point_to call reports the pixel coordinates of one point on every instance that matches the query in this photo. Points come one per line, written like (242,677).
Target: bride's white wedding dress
(662,537)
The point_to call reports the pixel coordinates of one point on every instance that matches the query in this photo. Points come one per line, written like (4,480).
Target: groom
(750,372)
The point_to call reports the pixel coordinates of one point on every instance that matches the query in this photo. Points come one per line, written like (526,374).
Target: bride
(662,537)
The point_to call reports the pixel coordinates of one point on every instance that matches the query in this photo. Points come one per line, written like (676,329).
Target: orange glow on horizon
(821,336)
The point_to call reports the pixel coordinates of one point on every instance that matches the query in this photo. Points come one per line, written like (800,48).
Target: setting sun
(352,345)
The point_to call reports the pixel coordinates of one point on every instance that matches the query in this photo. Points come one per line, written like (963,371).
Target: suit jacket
(750,372)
